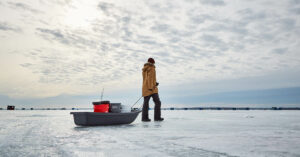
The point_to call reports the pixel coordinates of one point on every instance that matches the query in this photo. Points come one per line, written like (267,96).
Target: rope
(137,102)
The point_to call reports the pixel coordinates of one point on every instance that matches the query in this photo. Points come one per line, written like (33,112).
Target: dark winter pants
(157,102)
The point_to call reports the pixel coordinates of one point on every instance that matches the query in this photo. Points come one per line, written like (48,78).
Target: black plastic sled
(98,118)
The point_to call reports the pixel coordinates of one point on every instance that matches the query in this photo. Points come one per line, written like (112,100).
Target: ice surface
(183,133)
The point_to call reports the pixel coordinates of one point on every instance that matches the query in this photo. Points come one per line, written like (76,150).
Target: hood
(148,66)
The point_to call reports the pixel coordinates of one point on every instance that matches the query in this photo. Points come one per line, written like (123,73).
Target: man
(150,90)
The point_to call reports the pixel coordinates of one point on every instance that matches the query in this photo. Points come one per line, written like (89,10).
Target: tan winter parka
(149,80)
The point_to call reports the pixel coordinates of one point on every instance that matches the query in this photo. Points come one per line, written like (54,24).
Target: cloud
(7,27)
(280,50)
(249,15)
(294,2)
(214,42)
(160,27)
(288,23)
(105,6)
(161,6)
(295,10)
(55,33)
(72,38)
(198,19)
(213,2)
(228,26)
(24,7)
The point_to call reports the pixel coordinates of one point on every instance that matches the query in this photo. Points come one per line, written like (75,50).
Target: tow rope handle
(136,101)
(140,99)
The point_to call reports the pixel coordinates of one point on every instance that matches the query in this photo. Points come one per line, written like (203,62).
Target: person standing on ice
(150,90)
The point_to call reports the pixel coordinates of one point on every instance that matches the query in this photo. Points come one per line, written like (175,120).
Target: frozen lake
(183,133)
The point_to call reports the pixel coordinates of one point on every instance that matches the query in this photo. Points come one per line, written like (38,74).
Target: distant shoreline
(177,108)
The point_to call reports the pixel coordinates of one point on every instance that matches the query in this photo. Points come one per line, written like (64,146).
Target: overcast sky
(65,47)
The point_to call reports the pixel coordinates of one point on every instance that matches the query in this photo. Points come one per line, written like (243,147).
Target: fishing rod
(102,94)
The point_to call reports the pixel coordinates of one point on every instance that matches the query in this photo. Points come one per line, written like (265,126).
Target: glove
(157,83)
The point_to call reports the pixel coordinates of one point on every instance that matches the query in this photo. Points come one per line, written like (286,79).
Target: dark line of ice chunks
(176,108)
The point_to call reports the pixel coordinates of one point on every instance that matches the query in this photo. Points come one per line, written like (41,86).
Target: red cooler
(102,106)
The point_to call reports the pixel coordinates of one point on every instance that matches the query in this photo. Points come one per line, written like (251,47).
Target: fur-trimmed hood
(148,66)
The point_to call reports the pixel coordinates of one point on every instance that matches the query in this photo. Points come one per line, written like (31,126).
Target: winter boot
(146,120)
(158,119)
